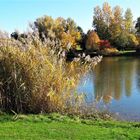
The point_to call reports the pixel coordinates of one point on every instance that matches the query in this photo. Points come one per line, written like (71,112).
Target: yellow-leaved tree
(92,41)
(65,30)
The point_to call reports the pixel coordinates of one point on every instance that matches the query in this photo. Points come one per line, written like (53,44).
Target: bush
(103,44)
(109,51)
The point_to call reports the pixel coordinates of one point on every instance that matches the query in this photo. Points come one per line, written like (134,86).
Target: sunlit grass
(58,127)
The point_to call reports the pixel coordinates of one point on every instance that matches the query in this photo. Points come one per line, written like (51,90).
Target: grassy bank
(57,127)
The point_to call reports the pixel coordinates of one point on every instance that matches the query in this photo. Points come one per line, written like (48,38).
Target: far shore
(127,53)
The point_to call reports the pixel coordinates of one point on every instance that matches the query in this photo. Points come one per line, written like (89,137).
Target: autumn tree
(110,24)
(120,29)
(92,41)
(62,29)
(128,20)
(71,33)
(133,41)
(116,27)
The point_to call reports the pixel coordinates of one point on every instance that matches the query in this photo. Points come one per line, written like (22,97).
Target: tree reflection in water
(113,77)
(115,83)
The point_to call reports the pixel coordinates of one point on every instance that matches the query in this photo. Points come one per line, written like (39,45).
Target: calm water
(115,84)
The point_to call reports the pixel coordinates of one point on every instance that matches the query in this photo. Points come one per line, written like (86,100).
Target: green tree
(45,26)
(110,24)
(121,41)
(116,25)
(107,13)
(82,41)
(137,26)
(125,40)
(101,20)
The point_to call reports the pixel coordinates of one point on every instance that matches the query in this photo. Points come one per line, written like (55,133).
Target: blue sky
(16,14)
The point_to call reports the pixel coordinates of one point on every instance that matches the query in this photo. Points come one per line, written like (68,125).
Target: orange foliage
(92,41)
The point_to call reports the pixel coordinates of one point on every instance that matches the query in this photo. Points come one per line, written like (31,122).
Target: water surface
(115,84)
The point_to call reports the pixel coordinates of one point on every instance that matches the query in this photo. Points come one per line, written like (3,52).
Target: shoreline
(76,53)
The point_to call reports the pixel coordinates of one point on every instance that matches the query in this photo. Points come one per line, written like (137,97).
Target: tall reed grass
(35,78)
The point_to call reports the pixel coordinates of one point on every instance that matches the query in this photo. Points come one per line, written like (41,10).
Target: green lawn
(127,51)
(57,127)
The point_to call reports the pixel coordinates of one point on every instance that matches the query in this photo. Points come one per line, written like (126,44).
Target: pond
(115,85)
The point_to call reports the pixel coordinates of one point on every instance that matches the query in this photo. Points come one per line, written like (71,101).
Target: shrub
(109,51)
(104,44)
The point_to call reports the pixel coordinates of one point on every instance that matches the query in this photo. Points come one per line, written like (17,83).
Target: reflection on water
(112,77)
(116,82)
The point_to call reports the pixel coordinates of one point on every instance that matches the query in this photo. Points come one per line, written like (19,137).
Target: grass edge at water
(56,126)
